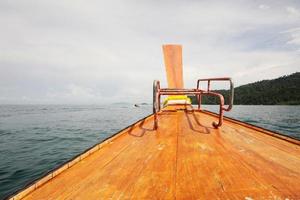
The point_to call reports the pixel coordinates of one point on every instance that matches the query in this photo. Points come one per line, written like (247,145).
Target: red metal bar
(199,98)
(221,110)
(215,79)
(231,95)
(208,85)
(158,92)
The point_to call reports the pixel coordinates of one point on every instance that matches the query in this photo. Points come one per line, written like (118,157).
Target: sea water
(35,139)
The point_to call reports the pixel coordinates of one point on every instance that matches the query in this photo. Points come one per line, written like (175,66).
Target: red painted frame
(198,92)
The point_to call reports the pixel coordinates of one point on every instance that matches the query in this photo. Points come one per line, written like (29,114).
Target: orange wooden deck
(185,158)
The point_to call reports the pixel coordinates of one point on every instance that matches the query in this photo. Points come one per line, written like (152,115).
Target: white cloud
(294,35)
(87,52)
(293,11)
(263,7)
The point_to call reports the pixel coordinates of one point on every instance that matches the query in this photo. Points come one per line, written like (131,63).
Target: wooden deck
(185,158)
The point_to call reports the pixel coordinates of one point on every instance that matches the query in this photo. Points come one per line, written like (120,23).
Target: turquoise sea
(34,139)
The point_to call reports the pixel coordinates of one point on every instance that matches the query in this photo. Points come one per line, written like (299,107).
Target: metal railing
(198,92)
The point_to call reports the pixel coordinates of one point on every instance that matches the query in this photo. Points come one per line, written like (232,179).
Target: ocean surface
(34,139)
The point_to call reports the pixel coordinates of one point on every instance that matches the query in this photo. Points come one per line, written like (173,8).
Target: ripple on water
(5,132)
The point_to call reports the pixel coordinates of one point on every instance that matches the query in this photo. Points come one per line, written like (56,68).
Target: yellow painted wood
(185,158)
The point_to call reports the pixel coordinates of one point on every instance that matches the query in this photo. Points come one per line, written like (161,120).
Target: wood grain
(173,65)
(185,158)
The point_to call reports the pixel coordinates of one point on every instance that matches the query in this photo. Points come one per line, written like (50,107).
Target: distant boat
(179,152)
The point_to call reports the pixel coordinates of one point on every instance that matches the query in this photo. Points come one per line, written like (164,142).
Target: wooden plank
(89,165)
(158,179)
(73,178)
(185,158)
(218,167)
(173,64)
(116,177)
(126,176)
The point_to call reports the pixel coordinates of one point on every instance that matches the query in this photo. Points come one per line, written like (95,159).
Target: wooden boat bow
(180,157)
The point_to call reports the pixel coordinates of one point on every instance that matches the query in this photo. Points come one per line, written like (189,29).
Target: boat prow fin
(173,64)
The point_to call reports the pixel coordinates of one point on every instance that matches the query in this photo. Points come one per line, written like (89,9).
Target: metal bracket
(158,92)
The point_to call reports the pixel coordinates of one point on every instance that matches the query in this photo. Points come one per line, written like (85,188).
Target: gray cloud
(100,51)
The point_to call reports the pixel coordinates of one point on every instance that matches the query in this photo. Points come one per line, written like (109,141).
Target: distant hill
(280,91)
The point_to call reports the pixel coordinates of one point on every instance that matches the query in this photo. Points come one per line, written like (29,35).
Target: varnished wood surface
(185,158)
(173,65)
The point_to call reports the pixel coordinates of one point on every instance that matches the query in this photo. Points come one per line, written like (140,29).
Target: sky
(96,51)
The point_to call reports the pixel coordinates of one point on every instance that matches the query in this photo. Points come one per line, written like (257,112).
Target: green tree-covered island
(284,90)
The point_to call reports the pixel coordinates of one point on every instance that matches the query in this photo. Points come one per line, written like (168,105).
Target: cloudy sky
(89,52)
